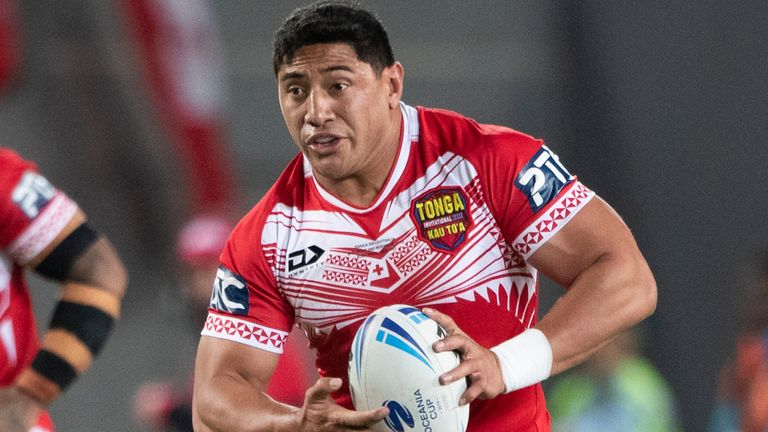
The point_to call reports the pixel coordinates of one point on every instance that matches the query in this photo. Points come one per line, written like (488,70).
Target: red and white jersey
(32,214)
(465,205)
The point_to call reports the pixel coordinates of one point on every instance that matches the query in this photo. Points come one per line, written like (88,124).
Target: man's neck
(356,192)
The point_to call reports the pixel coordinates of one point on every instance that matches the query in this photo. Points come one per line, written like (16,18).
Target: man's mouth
(321,142)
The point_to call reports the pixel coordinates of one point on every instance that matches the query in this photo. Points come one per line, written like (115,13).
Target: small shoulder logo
(304,257)
(542,178)
(442,217)
(32,193)
(230,294)
(398,417)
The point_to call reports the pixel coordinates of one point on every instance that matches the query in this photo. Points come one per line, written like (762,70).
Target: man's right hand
(18,411)
(321,413)
(225,371)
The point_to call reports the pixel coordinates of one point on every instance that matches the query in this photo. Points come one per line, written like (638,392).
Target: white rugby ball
(392,364)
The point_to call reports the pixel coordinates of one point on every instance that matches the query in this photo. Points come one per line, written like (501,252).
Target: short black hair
(333,21)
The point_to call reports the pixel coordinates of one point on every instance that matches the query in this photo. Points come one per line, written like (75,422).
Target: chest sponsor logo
(304,257)
(542,178)
(32,193)
(442,218)
(230,294)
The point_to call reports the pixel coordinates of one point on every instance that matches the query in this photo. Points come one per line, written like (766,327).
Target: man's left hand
(479,365)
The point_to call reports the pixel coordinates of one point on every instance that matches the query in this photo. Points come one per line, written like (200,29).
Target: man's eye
(296,91)
(340,86)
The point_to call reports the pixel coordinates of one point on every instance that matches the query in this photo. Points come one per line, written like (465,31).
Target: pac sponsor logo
(398,417)
(542,178)
(32,193)
(230,294)
(442,218)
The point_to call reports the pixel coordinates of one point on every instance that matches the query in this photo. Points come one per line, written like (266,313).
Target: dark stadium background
(661,107)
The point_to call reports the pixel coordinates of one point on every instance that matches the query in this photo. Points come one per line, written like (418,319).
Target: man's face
(338,111)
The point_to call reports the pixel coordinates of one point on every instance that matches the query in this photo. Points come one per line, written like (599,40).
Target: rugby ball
(391,363)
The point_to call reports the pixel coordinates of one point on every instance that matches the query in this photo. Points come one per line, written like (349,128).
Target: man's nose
(319,109)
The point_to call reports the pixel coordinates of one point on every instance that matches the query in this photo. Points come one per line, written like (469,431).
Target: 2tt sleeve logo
(542,178)
(32,193)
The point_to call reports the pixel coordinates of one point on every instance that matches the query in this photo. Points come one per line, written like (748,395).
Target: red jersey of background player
(32,214)
(463,208)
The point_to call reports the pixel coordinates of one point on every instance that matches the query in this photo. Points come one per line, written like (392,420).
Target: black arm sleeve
(58,263)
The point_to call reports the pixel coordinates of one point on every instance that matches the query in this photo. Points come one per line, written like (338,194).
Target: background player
(44,230)
(393,204)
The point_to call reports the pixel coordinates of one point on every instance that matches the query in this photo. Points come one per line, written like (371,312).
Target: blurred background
(660,107)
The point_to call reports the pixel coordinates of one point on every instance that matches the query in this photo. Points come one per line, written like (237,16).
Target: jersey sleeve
(531,193)
(33,212)
(246,305)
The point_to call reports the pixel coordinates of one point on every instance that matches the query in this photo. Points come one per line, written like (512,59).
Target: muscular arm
(609,285)
(230,384)
(609,289)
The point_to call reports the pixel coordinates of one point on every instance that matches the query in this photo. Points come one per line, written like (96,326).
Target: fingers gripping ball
(392,364)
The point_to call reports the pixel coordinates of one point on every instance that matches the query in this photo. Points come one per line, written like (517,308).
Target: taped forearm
(81,324)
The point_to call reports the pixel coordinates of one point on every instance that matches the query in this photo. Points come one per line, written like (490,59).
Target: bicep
(595,233)
(220,359)
(610,286)
(225,372)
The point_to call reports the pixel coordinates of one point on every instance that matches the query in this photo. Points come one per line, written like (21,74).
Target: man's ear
(395,74)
